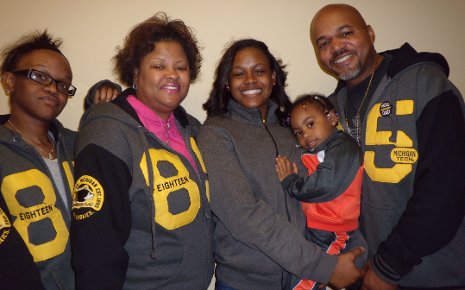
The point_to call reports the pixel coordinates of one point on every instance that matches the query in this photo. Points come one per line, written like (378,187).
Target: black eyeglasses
(46,80)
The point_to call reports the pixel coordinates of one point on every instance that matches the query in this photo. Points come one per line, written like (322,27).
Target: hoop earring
(134,86)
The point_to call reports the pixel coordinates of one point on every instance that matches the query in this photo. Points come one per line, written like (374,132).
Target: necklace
(50,154)
(355,132)
(166,131)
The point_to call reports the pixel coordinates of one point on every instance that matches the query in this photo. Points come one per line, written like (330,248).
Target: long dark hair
(217,103)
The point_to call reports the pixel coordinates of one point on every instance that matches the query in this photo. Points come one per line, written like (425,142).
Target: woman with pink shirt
(141,212)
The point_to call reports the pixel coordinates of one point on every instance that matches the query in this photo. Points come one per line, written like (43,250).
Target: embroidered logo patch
(385,109)
(5,226)
(404,155)
(87,197)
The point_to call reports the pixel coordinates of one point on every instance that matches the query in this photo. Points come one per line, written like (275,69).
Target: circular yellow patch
(87,197)
(5,226)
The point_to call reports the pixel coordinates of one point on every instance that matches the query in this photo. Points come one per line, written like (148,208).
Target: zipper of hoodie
(203,198)
(277,154)
(269,133)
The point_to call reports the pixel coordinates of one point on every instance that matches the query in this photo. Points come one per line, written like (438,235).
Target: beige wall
(91,29)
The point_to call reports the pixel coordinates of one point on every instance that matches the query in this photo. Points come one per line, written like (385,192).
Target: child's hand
(284,167)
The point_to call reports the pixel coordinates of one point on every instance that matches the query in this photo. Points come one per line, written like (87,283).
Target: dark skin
(34,106)
(105,94)
(311,126)
(346,273)
(344,43)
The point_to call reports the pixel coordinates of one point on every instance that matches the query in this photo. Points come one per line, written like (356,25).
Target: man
(409,120)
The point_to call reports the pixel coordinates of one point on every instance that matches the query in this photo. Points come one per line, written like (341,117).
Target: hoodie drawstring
(140,130)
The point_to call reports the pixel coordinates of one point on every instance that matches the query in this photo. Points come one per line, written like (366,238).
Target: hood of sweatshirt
(405,57)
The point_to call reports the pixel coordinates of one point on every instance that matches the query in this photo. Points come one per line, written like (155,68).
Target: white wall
(92,29)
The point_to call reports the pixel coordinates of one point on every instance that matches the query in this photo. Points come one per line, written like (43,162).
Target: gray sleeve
(250,219)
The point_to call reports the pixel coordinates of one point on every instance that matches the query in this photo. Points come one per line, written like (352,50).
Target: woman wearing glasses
(35,167)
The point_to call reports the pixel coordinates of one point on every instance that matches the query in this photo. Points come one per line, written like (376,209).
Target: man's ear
(371,34)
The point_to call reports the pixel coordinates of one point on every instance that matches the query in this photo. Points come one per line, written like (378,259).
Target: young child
(330,194)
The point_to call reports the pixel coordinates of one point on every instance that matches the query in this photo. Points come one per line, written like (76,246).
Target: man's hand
(346,272)
(284,167)
(373,282)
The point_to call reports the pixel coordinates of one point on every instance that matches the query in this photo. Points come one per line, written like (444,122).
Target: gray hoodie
(259,229)
(141,211)
(38,212)
(413,198)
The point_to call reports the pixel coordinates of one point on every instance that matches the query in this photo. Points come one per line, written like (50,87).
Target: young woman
(36,155)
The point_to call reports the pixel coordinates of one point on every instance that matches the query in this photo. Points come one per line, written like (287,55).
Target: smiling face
(163,78)
(35,100)
(311,125)
(343,43)
(251,79)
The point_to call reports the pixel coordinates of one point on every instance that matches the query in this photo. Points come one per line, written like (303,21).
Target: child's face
(311,126)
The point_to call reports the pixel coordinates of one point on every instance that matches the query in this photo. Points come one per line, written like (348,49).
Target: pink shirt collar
(165,130)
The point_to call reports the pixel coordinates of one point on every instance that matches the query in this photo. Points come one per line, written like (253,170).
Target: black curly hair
(26,44)
(320,101)
(143,38)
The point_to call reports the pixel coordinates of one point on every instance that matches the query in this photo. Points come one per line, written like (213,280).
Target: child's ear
(332,117)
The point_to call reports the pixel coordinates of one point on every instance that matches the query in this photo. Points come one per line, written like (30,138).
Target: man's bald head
(341,9)
(343,42)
